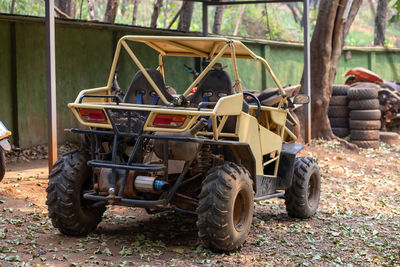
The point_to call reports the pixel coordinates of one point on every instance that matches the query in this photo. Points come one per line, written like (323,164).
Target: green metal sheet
(84,53)
(6,86)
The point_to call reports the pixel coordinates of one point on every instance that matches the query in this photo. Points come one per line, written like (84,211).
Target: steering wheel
(257,101)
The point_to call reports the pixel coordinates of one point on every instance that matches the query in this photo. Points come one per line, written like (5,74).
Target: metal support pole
(51,85)
(307,69)
(205,18)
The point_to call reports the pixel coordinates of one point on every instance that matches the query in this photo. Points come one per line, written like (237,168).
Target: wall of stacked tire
(354,111)
(338,111)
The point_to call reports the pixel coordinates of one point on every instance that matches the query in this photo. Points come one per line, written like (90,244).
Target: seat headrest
(141,92)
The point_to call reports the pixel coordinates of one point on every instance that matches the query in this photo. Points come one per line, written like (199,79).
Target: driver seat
(141,92)
(212,87)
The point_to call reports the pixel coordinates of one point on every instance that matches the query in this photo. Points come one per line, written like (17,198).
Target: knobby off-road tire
(339,122)
(338,111)
(364,104)
(389,138)
(69,212)
(339,100)
(367,143)
(341,132)
(2,164)
(340,90)
(302,198)
(363,91)
(365,125)
(364,135)
(226,206)
(373,114)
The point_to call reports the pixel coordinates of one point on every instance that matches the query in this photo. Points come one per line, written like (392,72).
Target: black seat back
(141,92)
(212,87)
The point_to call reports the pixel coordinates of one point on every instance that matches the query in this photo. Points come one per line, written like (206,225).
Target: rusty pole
(51,85)
(307,69)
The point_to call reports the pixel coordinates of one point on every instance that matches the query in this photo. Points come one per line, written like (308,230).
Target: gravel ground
(357,222)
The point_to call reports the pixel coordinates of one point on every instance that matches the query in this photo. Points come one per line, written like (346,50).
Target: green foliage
(272,21)
(395,17)
(24,7)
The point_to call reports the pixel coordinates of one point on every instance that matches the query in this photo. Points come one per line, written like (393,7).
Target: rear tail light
(170,121)
(93,115)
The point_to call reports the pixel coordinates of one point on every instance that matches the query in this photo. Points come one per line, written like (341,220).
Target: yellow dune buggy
(206,152)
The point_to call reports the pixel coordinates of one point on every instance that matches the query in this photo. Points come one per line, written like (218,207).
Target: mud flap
(286,164)
(5,145)
(265,186)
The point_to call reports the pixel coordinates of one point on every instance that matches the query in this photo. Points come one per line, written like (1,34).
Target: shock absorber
(205,158)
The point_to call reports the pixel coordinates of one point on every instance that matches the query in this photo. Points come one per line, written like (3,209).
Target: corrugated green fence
(84,53)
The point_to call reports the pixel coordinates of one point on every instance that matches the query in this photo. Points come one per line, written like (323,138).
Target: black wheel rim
(240,210)
(312,192)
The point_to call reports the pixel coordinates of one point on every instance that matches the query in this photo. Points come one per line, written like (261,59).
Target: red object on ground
(363,75)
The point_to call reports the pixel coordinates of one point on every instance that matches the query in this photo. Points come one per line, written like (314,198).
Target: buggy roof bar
(209,47)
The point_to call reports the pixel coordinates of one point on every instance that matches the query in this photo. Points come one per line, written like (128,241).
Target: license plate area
(127,121)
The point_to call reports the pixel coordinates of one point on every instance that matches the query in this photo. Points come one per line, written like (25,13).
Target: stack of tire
(365,115)
(338,111)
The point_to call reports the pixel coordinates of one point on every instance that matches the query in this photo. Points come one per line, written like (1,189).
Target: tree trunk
(314,4)
(124,4)
(156,13)
(380,22)
(12,7)
(166,10)
(134,13)
(295,14)
(111,11)
(219,11)
(333,24)
(239,20)
(372,7)
(66,6)
(92,10)
(186,16)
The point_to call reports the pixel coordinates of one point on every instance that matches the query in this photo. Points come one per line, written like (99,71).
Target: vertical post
(307,69)
(51,84)
(205,19)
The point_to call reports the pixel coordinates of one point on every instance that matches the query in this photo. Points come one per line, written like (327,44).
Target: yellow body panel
(248,133)
(229,105)
(270,142)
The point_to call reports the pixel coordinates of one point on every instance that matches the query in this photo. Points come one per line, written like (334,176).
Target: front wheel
(68,210)
(226,207)
(2,164)
(302,198)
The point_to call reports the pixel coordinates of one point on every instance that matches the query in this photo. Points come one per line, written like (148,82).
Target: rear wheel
(226,207)
(68,210)
(302,198)
(2,164)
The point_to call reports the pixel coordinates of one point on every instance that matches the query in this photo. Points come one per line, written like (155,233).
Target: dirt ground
(358,223)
